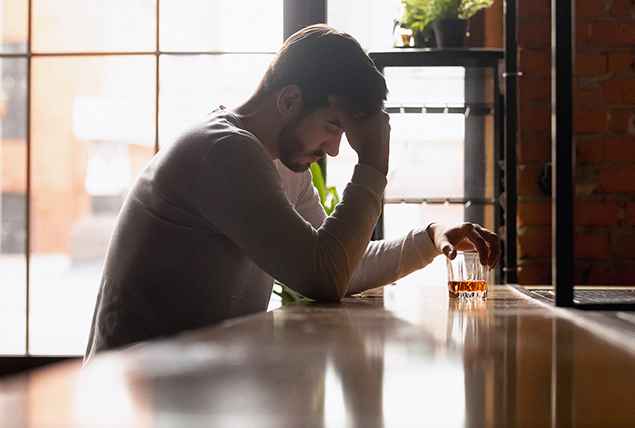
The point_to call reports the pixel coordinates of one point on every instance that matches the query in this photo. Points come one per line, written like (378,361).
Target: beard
(290,147)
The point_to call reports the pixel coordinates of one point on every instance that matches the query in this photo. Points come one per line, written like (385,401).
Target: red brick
(617,150)
(534,214)
(534,243)
(590,152)
(625,247)
(535,89)
(620,150)
(589,121)
(534,8)
(620,62)
(589,213)
(630,213)
(620,275)
(619,90)
(582,32)
(589,8)
(620,7)
(616,181)
(535,62)
(592,94)
(534,275)
(535,119)
(613,33)
(528,182)
(534,150)
(612,275)
(592,247)
(620,119)
(589,64)
(535,32)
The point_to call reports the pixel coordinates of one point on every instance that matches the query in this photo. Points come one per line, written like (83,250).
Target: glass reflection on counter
(465,319)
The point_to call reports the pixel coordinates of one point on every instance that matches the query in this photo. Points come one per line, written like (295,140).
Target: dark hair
(323,61)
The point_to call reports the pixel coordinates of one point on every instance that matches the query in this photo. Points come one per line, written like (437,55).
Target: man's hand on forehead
(368,135)
(339,101)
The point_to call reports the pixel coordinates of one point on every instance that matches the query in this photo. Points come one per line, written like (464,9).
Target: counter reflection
(387,362)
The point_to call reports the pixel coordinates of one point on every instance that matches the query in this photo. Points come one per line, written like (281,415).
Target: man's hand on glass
(450,238)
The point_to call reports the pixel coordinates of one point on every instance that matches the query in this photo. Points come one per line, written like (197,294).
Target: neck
(262,119)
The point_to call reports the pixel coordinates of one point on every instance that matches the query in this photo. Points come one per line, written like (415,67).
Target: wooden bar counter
(408,358)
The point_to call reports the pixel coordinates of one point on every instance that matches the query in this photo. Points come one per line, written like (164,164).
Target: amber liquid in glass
(467,289)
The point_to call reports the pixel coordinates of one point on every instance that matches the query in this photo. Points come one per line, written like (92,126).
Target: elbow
(328,293)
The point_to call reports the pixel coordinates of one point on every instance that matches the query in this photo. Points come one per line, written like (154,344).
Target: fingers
(344,109)
(493,243)
(468,236)
(369,136)
(486,243)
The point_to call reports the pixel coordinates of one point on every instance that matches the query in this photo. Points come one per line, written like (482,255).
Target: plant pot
(450,33)
(424,40)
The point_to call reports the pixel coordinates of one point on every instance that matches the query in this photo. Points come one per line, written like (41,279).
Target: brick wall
(604,137)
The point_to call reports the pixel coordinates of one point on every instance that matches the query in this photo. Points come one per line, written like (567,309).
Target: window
(109,82)
(442,147)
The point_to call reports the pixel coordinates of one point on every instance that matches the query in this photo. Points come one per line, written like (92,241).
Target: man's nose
(332,146)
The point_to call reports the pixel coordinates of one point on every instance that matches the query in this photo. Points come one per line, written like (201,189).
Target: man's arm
(244,199)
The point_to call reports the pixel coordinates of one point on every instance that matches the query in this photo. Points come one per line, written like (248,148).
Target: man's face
(309,137)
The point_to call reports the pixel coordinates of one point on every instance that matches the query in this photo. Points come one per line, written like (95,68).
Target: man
(214,218)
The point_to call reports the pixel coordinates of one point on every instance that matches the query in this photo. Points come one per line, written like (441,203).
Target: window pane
(432,86)
(426,149)
(13,21)
(93,26)
(12,206)
(369,21)
(220,25)
(194,85)
(405,217)
(426,156)
(92,132)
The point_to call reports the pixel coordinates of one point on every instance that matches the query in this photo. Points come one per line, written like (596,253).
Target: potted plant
(446,19)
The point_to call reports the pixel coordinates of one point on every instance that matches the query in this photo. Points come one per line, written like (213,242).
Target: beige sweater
(212,220)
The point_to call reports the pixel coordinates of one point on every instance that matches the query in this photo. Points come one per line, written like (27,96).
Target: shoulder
(219,129)
(218,137)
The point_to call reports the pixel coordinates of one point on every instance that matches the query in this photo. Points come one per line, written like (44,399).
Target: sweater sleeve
(243,198)
(386,261)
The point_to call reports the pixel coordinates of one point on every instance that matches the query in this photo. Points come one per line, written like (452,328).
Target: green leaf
(328,194)
(418,14)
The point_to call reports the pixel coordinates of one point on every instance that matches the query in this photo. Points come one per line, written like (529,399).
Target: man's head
(307,136)
(321,61)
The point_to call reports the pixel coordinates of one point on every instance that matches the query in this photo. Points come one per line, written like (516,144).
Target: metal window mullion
(509,146)
(27,244)
(157,56)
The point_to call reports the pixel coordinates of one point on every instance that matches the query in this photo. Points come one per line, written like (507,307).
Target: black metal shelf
(412,57)
(477,104)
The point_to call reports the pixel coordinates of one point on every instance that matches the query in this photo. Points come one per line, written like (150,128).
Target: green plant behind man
(418,14)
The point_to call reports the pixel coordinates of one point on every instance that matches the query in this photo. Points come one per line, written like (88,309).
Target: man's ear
(290,101)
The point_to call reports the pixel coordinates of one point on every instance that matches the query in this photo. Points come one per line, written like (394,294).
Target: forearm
(387,261)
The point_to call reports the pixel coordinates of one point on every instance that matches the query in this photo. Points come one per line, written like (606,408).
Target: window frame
(294,14)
